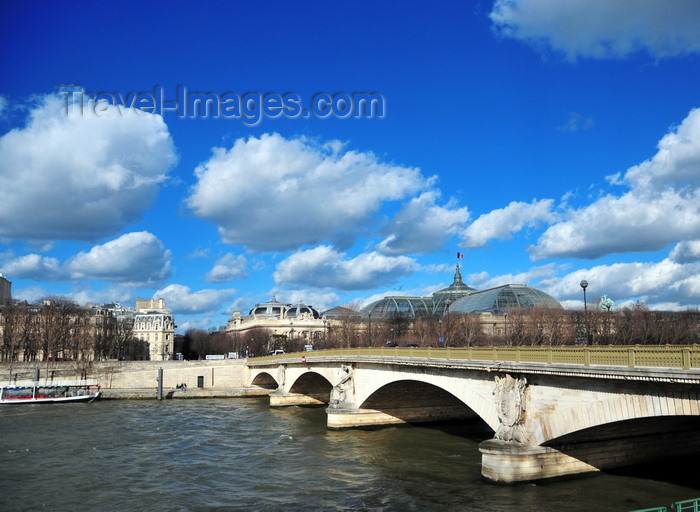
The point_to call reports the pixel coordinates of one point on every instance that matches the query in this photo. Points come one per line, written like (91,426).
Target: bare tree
(257,340)
(123,336)
(467,331)
(18,334)
(427,329)
(220,343)
(198,341)
(56,323)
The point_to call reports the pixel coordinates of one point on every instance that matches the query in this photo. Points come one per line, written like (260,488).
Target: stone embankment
(139,379)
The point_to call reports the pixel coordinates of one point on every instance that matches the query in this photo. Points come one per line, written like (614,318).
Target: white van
(275,352)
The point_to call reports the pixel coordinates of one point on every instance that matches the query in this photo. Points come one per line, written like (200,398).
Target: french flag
(460,256)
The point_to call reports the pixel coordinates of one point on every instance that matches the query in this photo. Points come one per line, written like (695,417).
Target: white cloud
(422,226)
(576,122)
(665,284)
(324,267)
(677,162)
(662,206)
(228,268)
(117,293)
(138,258)
(502,223)
(654,282)
(601,28)
(321,300)
(686,252)
(198,253)
(179,299)
(32,294)
(34,267)
(272,193)
(79,177)
(482,281)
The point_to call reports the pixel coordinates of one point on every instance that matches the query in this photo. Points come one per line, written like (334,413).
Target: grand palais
(305,321)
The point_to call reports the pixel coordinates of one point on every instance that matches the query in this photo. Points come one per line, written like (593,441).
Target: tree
(467,331)
(123,337)
(56,322)
(257,340)
(18,334)
(219,343)
(345,332)
(427,329)
(198,341)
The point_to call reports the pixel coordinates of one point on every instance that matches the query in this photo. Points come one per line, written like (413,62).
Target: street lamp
(584,285)
(447,334)
(369,325)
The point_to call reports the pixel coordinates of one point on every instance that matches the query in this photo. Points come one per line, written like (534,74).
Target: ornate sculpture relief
(343,391)
(281,374)
(510,401)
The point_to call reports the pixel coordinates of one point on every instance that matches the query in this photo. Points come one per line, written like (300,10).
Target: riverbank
(223,378)
(168,394)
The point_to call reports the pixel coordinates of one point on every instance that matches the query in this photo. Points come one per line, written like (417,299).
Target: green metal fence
(632,356)
(678,506)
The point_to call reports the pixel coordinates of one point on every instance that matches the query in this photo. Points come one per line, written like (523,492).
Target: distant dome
(503,299)
(269,309)
(275,309)
(447,296)
(390,306)
(339,312)
(298,310)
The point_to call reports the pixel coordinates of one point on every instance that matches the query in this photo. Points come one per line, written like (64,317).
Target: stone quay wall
(139,379)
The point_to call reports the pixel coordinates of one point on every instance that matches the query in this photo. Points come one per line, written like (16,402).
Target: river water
(240,455)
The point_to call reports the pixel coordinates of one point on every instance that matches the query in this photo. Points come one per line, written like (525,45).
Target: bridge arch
(264,380)
(475,394)
(621,408)
(313,385)
(402,398)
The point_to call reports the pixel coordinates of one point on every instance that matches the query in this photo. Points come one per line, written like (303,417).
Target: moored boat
(35,392)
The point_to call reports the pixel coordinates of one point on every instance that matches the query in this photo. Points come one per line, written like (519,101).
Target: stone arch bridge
(553,411)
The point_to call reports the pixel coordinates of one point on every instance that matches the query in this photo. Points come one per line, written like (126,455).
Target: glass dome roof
(390,306)
(503,299)
(442,299)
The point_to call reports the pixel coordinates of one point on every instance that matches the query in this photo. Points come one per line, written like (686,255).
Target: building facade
(5,291)
(154,325)
(294,321)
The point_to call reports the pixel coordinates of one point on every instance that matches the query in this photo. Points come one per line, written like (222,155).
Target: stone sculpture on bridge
(510,400)
(341,391)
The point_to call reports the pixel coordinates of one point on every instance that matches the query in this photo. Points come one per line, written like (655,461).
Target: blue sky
(547,141)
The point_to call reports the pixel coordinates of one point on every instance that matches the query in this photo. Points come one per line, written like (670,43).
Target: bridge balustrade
(632,356)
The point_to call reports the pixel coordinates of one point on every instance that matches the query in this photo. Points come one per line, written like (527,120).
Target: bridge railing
(632,356)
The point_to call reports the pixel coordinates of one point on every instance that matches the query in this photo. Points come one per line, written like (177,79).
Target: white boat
(34,392)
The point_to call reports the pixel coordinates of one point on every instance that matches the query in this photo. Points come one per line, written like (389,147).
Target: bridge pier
(346,416)
(510,462)
(281,399)
(505,462)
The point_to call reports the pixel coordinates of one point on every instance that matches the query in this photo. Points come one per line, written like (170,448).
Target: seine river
(240,455)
